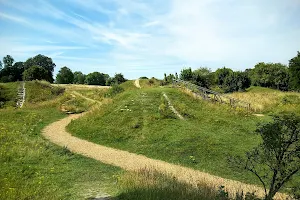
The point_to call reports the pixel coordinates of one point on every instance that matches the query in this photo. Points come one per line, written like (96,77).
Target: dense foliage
(65,76)
(294,69)
(270,75)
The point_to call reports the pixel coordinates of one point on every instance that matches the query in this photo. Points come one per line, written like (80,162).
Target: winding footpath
(57,134)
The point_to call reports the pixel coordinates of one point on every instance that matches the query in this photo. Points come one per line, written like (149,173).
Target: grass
(150,185)
(8,94)
(270,101)
(210,132)
(39,91)
(149,83)
(33,168)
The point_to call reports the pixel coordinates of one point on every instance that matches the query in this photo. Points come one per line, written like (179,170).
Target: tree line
(271,75)
(41,67)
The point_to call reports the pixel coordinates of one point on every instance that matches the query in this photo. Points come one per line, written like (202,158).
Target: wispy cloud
(146,38)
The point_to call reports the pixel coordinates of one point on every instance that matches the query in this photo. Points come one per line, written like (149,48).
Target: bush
(114,90)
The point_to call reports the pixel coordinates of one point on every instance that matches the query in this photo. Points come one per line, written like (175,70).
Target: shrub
(114,90)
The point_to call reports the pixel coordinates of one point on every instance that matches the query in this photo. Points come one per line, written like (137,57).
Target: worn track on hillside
(137,83)
(56,133)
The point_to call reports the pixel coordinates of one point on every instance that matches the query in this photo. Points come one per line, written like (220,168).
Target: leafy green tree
(294,71)
(273,75)
(65,76)
(203,77)
(277,159)
(186,74)
(79,78)
(12,73)
(8,61)
(1,65)
(221,74)
(119,78)
(44,62)
(95,78)
(35,73)
(236,81)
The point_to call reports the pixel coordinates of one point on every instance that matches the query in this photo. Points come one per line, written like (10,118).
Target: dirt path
(137,83)
(56,133)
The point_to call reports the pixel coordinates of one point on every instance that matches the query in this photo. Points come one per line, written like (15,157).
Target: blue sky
(150,38)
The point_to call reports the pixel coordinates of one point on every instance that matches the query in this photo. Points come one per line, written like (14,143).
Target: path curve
(137,83)
(57,134)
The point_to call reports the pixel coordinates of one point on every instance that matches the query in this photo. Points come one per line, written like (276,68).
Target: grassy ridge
(210,133)
(33,168)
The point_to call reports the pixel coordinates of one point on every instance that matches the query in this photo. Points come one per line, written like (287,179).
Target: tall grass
(267,100)
(148,184)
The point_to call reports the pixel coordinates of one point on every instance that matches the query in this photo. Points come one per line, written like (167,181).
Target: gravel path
(137,83)
(56,133)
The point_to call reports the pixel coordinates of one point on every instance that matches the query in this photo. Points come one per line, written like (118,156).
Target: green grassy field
(209,134)
(33,168)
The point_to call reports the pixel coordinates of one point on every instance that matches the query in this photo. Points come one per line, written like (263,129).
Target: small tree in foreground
(277,159)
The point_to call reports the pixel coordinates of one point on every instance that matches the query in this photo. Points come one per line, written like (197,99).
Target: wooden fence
(211,95)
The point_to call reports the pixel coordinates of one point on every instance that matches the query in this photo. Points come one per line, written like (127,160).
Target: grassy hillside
(210,132)
(32,167)
(8,94)
(270,101)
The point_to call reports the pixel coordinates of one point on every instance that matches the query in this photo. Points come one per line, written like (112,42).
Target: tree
(221,74)
(35,73)
(236,81)
(12,73)
(1,66)
(119,78)
(273,75)
(186,74)
(79,78)
(65,76)
(44,62)
(294,71)
(95,78)
(8,61)
(277,159)
(203,77)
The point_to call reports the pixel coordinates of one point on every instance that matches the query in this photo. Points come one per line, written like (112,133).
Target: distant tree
(176,76)
(44,62)
(143,77)
(12,73)
(35,73)
(186,74)
(273,75)
(1,65)
(8,61)
(203,77)
(277,159)
(95,78)
(65,76)
(79,78)
(236,81)
(119,78)
(294,71)
(221,74)
(170,78)
(165,77)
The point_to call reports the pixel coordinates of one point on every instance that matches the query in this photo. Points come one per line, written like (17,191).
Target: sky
(151,37)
